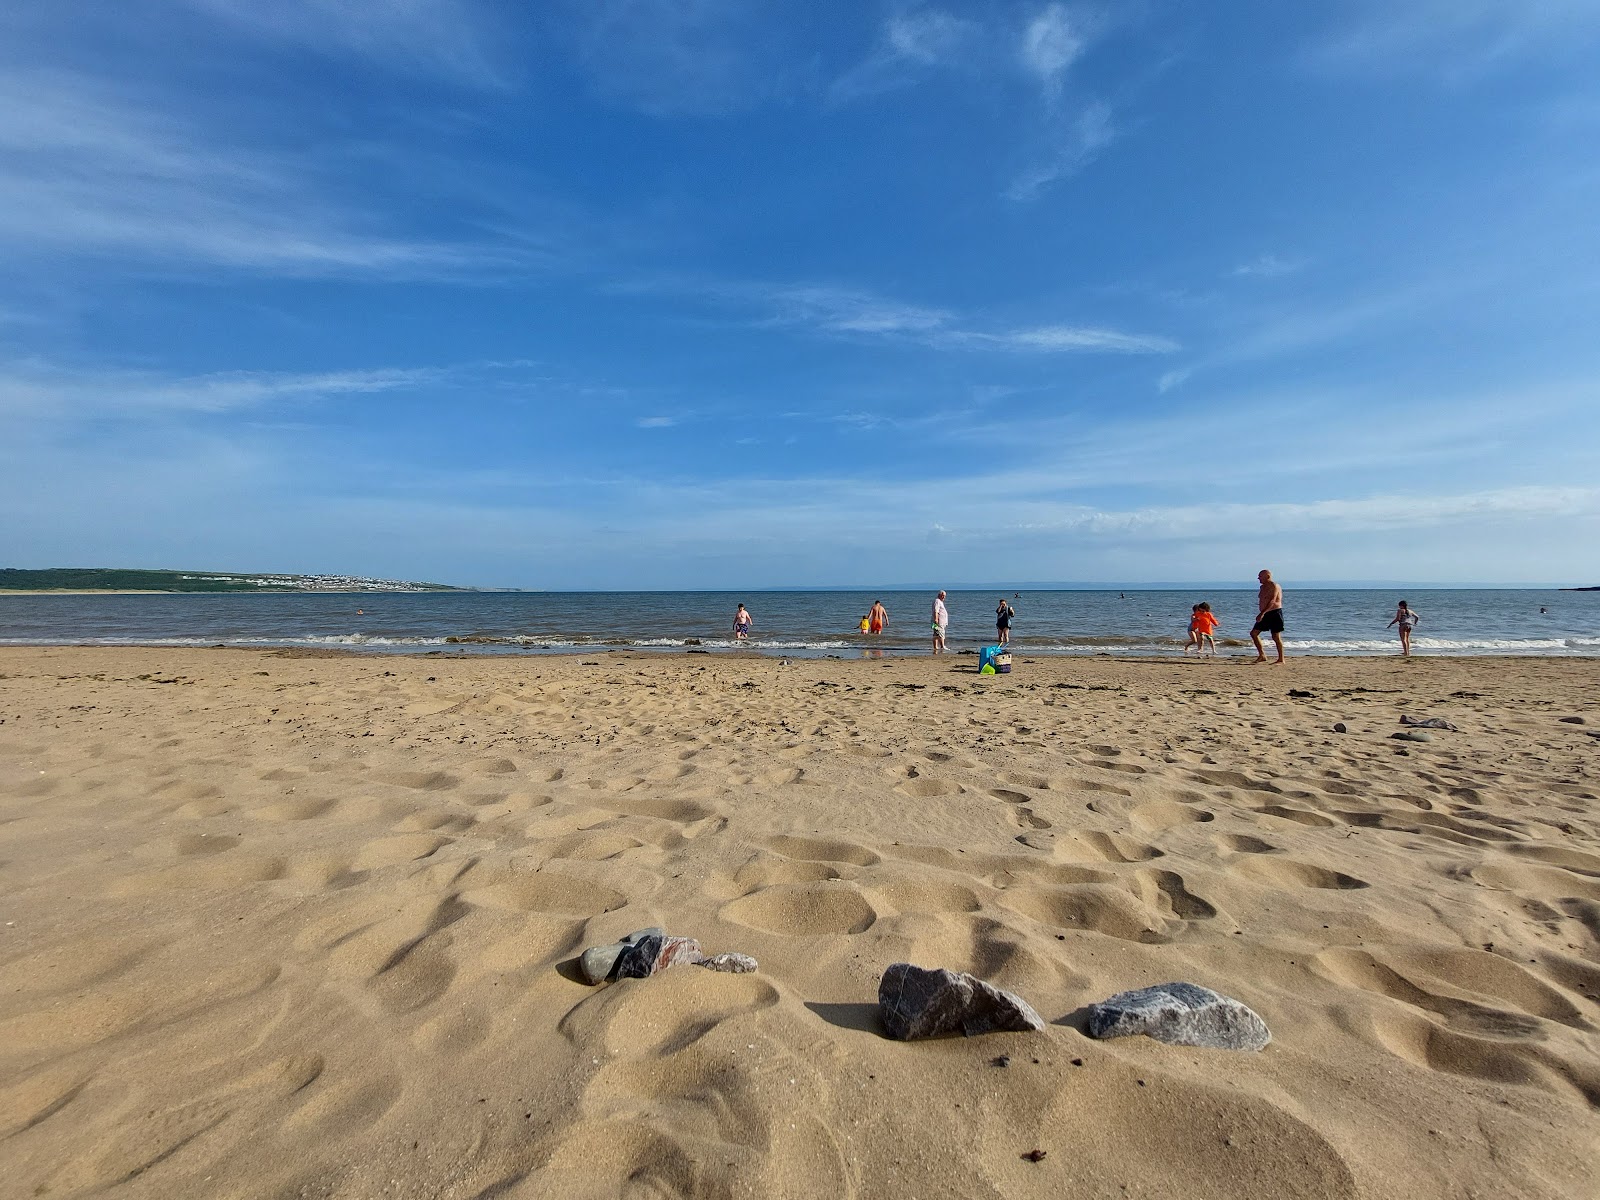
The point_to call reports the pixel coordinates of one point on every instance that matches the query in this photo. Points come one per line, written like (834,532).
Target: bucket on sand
(998,657)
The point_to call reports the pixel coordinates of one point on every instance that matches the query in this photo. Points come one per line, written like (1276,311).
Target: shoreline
(293,922)
(387,652)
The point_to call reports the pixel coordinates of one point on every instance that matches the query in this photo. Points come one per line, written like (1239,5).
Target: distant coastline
(85,581)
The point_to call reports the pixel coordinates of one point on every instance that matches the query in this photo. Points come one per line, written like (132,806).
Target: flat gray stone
(919,1002)
(1412,735)
(1180,1014)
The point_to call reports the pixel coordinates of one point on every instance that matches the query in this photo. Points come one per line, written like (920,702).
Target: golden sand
(303,926)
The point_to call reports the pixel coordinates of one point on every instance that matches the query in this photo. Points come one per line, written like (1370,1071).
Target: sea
(803,623)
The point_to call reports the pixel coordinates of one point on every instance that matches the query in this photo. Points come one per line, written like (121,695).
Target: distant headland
(1596,588)
(102,579)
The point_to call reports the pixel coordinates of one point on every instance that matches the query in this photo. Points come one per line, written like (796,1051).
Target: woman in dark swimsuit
(1002,621)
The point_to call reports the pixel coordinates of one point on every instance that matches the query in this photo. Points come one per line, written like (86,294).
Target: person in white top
(941,621)
(1405,617)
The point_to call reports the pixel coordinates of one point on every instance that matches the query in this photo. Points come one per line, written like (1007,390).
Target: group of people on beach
(1203,623)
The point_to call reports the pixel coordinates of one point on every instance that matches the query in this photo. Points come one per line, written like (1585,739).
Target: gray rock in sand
(730,962)
(919,1002)
(1412,735)
(598,962)
(1180,1014)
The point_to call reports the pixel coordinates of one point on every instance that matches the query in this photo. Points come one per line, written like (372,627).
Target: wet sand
(284,926)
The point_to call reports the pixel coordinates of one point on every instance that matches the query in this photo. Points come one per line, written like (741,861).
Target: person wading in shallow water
(1407,619)
(1269,616)
(877,617)
(1002,621)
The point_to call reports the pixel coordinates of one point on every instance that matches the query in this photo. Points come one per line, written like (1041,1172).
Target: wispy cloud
(909,45)
(1454,38)
(38,389)
(1267,266)
(656,422)
(1051,43)
(678,58)
(1074,143)
(446,38)
(87,171)
(848,312)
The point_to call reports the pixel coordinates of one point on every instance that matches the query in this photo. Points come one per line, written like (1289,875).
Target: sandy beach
(304,926)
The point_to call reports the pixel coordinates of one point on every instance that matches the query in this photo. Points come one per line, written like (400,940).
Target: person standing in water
(1406,618)
(1002,621)
(741,624)
(1269,616)
(877,618)
(941,622)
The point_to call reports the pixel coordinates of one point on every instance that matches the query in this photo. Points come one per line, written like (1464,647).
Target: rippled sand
(303,926)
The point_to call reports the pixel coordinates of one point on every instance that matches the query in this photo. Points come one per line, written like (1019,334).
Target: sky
(591,294)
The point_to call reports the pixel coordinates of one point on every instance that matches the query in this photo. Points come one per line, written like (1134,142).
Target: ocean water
(1454,622)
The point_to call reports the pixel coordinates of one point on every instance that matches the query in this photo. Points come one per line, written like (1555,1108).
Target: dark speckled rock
(644,952)
(919,1002)
(655,953)
(1181,1014)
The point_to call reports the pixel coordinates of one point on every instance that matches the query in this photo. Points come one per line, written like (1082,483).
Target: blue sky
(732,293)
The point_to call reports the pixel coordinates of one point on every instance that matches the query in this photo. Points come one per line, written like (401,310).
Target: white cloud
(1056,339)
(1267,266)
(930,37)
(656,422)
(851,312)
(910,44)
(1454,38)
(674,58)
(447,38)
(88,172)
(1077,141)
(39,390)
(1052,42)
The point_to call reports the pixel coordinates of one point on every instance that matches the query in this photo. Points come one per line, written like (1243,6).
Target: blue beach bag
(998,657)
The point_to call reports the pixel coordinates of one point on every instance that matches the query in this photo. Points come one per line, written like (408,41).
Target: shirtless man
(941,622)
(1269,616)
(878,617)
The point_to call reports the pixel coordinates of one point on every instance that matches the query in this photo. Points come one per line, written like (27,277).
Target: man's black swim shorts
(1270,621)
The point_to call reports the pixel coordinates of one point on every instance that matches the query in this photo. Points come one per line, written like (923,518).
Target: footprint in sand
(926,787)
(803,909)
(1287,873)
(1243,843)
(927,897)
(1094,846)
(1097,908)
(1299,816)
(1164,814)
(824,850)
(1167,891)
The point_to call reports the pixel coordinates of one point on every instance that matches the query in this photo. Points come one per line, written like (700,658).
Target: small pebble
(1003,1061)
(1339,727)
(1034,1155)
